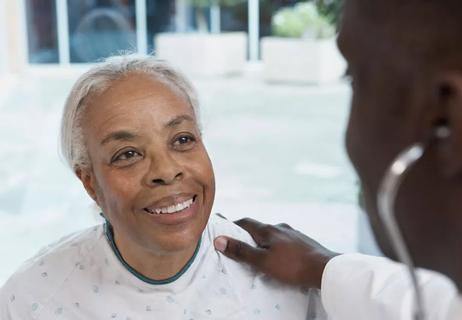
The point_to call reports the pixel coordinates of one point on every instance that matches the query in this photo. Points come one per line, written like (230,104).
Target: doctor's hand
(282,253)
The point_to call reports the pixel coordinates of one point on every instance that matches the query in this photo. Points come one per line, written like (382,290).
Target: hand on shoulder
(282,252)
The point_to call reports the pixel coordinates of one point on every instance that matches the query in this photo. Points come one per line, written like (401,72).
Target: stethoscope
(386,197)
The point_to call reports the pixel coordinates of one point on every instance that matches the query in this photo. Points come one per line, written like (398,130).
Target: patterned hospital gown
(82,277)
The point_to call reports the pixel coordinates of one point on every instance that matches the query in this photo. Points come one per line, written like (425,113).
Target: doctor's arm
(353,286)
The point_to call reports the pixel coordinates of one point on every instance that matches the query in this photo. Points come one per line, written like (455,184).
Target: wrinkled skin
(146,151)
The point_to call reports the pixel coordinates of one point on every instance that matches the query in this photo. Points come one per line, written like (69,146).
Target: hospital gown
(84,277)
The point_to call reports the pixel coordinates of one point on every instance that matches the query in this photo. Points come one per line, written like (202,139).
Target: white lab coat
(360,287)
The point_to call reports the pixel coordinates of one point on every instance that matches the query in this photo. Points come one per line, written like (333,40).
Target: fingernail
(221,243)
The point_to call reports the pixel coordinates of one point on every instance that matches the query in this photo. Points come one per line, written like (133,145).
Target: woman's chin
(177,239)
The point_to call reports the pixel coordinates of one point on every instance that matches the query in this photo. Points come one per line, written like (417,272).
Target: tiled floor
(277,151)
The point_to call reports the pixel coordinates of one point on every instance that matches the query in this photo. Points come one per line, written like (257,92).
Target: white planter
(203,54)
(301,60)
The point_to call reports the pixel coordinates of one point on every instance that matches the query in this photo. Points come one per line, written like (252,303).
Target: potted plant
(303,48)
(205,53)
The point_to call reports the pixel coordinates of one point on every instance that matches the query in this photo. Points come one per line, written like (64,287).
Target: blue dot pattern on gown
(83,279)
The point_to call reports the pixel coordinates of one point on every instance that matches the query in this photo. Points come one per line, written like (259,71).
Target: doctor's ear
(87,178)
(447,124)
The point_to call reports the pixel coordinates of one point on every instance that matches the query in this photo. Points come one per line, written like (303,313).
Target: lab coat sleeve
(358,287)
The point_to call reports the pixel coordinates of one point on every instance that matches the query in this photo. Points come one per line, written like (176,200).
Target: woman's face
(150,172)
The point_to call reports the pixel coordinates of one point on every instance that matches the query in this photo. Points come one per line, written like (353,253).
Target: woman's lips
(171,199)
(175,207)
(174,216)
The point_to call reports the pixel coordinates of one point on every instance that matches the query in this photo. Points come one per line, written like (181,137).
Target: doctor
(404,138)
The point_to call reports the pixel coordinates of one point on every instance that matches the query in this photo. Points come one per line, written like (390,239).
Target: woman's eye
(184,142)
(126,156)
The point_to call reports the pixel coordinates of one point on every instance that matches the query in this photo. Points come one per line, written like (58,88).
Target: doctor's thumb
(239,251)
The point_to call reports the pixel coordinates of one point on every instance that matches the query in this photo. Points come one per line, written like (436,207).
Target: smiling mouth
(174,208)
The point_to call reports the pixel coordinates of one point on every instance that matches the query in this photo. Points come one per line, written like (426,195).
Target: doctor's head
(130,132)
(405,59)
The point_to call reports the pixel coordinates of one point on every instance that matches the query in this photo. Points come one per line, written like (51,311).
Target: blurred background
(274,106)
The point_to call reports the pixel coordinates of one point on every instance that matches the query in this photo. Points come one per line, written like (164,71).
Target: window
(160,18)
(100,28)
(72,31)
(42,37)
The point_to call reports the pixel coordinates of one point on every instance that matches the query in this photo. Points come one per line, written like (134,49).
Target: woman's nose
(164,170)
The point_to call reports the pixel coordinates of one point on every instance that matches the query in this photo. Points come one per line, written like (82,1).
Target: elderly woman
(130,133)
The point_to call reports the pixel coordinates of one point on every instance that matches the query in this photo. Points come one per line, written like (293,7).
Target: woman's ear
(447,125)
(87,178)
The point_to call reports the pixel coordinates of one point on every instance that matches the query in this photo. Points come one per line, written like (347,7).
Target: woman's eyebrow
(178,120)
(123,135)
(119,135)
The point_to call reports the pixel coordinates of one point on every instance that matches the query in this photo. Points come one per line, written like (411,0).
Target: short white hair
(97,80)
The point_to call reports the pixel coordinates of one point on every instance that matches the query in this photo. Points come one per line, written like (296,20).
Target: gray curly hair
(97,80)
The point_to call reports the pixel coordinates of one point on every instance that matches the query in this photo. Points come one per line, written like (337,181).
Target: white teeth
(171,209)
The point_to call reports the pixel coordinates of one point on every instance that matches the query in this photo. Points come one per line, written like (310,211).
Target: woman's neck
(154,265)
(157,266)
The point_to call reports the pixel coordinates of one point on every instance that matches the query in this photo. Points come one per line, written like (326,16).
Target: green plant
(331,9)
(302,20)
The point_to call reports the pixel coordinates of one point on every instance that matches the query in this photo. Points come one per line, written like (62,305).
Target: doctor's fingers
(260,232)
(241,251)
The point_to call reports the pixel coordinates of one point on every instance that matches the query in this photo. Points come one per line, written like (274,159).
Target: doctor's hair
(98,79)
